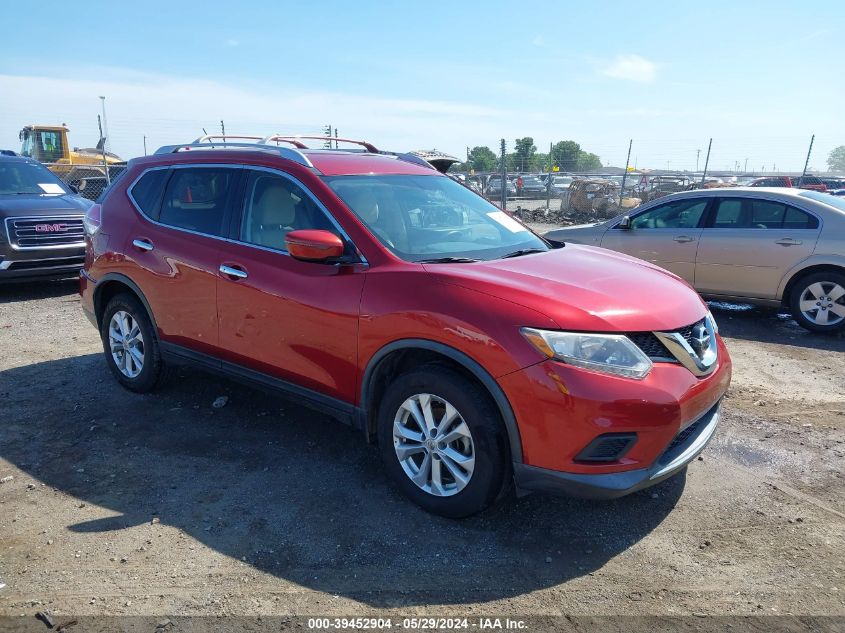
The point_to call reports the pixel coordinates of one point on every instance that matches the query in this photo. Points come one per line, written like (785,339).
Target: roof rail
(209,138)
(288,137)
(285,152)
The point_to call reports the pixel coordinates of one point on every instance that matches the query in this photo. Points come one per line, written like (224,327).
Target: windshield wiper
(447,260)
(524,251)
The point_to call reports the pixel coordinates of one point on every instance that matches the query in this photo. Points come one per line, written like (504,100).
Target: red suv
(369,285)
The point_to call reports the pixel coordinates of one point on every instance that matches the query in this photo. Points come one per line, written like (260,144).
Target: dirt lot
(161,504)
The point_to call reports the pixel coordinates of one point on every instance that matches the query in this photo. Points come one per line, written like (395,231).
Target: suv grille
(654,348)
(45,232)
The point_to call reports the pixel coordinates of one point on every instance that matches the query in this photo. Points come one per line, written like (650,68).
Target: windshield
(21,177)
(828,199)
(429,217)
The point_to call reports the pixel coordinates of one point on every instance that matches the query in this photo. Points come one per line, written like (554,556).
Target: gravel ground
(119,504)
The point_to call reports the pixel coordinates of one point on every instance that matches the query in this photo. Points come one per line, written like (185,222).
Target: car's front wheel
(130,344)
(818,302)
(442,441)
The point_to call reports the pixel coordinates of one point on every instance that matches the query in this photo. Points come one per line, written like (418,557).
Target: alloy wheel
(126,344)
(823,303)
(433,445)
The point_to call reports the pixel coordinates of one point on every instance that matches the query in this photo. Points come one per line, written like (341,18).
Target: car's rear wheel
(130,344)
(442,441)
(818,302)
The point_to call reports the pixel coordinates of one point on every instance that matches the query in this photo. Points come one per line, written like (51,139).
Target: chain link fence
(89,180)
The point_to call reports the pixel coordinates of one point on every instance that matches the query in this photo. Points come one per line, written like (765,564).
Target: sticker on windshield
(50,187)
(506,221)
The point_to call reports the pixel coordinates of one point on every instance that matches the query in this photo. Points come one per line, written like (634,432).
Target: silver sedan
(769,246)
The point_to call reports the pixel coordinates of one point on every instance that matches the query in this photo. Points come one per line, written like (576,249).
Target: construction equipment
(83,169)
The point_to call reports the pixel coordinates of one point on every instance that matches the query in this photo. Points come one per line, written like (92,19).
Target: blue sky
(759,77)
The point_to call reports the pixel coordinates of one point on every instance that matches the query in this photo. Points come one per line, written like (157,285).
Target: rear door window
(739,213)
(146,193)
(198,199)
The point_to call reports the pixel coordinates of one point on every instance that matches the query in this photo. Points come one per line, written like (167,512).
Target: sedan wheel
(818,302)
(126,344)
(433,445)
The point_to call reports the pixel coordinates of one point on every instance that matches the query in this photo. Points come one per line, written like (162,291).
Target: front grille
(654,348)
(650,345)
(45,232)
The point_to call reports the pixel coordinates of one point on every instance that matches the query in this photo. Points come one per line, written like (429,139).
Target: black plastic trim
(339,409)
(467,363)
(102,282)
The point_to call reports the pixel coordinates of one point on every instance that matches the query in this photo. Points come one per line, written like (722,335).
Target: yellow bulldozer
(87,170)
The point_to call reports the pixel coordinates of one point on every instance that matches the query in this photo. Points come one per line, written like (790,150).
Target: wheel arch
(112,284)
(403,354)
(809,268)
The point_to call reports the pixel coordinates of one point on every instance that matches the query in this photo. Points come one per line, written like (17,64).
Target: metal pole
(706,161)
(335,138)
(145,144)
(223,129)
(104,132)
(697,156)
(105,162)
(625,175)
(549,181)
(807,162)
(504,196)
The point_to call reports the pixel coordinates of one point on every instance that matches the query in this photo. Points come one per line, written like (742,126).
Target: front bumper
(18,266)
(683,449)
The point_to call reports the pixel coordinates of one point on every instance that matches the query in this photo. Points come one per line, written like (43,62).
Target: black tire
(153,371)
(491,475)
(827,280)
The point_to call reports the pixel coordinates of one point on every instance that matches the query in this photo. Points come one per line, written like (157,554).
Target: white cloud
(631,68)
(169,109)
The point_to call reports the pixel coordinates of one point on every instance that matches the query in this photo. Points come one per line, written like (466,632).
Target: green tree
(483,159)
(565,155)
(523,156)
(836,159)
(588,162)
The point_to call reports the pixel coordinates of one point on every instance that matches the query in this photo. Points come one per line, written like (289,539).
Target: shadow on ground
(30,290)
(767,325)
(291,492)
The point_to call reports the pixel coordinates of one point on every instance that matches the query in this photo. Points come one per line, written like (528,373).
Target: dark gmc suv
(41,231)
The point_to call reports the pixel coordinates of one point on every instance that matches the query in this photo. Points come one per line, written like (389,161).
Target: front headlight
(606,353)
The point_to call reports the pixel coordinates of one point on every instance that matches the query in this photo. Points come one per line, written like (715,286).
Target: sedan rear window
(833,201)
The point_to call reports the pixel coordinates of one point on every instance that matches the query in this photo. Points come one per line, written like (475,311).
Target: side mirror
(313,245)
(625,223)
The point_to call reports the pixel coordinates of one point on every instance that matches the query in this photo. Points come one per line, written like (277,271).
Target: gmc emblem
(50,228)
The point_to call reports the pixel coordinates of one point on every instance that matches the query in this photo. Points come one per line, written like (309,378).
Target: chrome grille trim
(22,236)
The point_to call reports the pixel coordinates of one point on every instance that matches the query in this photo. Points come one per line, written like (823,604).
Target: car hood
(41,204)
(585,288)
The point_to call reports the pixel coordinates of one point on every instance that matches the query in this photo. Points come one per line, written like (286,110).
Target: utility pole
(335,138)
(223,130)
(327,130)
(104,130)
(706,161)
(807,162)
(746,166)
(697,156)
(504,196)
(103,149)
(549,180)
(145,144)
(625,175)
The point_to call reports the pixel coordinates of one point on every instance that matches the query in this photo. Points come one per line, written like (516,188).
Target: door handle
(684,238)
(231,271)
(144,245)
(788,241)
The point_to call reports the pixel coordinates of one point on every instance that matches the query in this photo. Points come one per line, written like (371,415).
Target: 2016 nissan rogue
(371,286)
